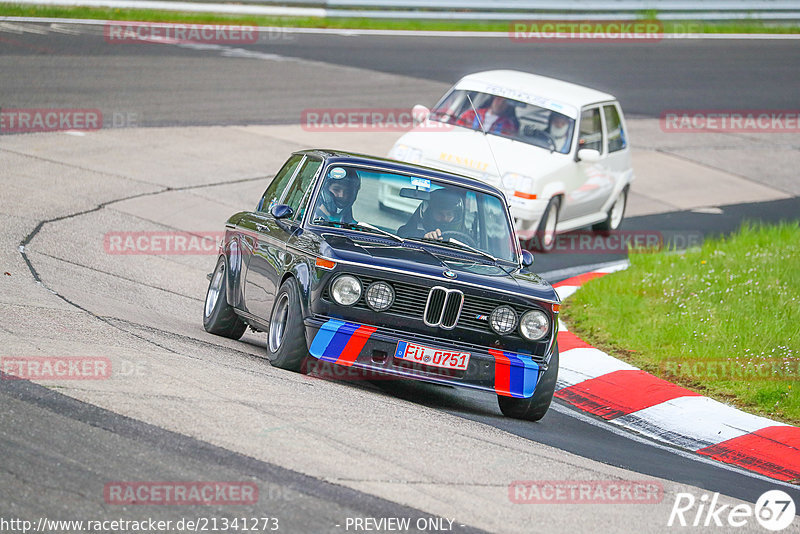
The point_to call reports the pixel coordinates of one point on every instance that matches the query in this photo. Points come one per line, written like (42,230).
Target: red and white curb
(626,396)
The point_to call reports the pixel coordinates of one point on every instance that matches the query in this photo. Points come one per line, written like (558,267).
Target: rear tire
(615,214)
(218,316)
(534,408)
(545,238)
(286,339)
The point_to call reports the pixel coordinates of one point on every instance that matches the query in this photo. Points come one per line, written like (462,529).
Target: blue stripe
(401,349)
(323,337)
(524,374)
(339,342)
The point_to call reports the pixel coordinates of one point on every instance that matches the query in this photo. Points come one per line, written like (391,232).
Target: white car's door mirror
(420,113)
(588,154)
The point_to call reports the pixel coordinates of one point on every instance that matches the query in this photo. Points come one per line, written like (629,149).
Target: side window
(297,191)
(276,187)
(591,132)
(616,136)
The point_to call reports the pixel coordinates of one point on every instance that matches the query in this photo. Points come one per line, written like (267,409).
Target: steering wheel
(547,137)
(460,236)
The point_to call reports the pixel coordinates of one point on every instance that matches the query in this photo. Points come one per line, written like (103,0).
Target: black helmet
(443,200)
(345,177)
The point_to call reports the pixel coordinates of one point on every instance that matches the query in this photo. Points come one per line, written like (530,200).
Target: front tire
(534,408)
(218,316)
(286,340)
(615,214)
(545,238)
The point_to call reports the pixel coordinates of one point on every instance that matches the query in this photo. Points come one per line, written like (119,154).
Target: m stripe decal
(340,342)
(515,375)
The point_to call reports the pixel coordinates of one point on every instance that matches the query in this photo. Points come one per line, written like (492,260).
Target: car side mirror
(281,211)
(419,113)
(588,154)
(527,258)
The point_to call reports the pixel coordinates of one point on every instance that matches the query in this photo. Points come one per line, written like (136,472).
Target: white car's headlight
(346,290)
(517,182)
(406,153)
(380,296)
(503,319)
(534,325)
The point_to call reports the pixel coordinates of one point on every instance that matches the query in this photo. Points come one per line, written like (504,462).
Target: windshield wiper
(458,244)
(357,226)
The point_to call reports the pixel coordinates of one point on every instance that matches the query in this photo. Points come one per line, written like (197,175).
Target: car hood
(473,154)
(412,260)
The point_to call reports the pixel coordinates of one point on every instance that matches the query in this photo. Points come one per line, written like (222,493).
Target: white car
(517,131)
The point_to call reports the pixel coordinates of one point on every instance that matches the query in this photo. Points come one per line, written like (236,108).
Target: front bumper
(373,349)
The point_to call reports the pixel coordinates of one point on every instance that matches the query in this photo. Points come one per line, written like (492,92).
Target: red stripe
(502,373)
(773,451)
(621,392)
(579,280)
(354,345)
(568,340)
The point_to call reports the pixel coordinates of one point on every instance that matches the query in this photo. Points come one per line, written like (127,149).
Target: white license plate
(447,359)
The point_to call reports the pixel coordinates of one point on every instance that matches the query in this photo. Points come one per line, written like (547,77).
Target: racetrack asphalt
(222,395)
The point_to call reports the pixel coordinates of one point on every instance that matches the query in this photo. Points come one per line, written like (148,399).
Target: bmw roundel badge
(449,274)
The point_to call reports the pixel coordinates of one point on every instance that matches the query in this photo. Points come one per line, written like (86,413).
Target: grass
(723,319)
(145,15)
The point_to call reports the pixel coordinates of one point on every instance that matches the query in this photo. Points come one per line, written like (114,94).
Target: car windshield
(505,117)
(411,208)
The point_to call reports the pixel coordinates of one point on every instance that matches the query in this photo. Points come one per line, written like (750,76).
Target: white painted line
(584,418)
(577,365)
(242,10)
(693,422)
(566,291)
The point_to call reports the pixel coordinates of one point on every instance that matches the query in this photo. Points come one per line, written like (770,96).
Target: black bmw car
(427,283)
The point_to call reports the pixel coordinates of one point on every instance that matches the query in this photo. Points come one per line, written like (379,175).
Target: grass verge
(723,320)
(146,15)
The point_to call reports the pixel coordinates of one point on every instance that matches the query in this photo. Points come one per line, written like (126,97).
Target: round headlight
(380,296)
(534,325)
(346,290)
(503,319)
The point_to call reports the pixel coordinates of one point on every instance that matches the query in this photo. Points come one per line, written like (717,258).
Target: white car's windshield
(403,207)
(505,117)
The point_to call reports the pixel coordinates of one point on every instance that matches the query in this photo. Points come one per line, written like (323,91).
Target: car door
(619,154)
(260,236)
(593,183)
(270,258)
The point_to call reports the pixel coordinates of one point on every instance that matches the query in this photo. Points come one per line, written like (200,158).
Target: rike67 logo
(774,511)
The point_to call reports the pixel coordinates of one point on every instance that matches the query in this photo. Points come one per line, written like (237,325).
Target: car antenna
(480,123)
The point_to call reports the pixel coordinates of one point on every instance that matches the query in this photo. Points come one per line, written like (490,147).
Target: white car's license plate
(447,359)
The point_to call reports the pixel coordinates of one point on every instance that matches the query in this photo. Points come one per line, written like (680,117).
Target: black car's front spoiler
(374,352)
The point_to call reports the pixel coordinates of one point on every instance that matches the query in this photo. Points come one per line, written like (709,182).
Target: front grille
(410,303)
(443,307)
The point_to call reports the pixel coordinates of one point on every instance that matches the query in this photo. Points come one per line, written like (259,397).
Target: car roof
(342,157)
(543,86)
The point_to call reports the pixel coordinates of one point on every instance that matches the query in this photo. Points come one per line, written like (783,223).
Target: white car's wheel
(615,214)
(545,238)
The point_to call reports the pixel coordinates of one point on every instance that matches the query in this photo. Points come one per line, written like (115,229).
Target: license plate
(447,359)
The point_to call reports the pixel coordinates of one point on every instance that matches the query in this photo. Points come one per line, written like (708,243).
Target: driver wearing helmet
(558,127)
(339,191)
(442,212)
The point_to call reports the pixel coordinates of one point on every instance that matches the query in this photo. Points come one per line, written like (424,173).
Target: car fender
(301,271)
(625,181)
(553,189)
(232,252)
